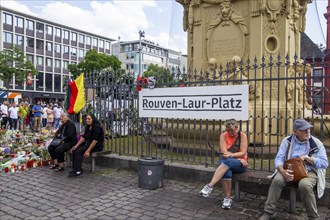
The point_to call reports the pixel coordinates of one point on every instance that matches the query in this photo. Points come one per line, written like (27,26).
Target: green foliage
(94,62)
(12,63)
(158,72)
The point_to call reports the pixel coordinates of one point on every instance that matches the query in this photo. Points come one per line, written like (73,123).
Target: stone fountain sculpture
(227,30)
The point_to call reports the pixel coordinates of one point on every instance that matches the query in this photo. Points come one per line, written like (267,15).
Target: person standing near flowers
(4,114)
(13,116)
(233,147)
(37,112)
(91,141)
(23,112)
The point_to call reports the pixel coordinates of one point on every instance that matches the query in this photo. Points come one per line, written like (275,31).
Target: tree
(160,73)
(95,62)
(13,64)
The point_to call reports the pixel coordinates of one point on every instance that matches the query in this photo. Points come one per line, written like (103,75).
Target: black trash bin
(150,173)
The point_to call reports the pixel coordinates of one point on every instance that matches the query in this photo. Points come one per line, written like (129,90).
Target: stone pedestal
(251,29)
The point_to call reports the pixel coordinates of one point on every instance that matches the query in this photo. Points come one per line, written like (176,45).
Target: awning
(15,95)
(12,95)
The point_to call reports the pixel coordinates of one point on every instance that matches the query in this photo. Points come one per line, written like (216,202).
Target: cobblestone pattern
(41,193)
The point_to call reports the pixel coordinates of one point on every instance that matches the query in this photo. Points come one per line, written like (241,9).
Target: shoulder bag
(296,165)
(57,141)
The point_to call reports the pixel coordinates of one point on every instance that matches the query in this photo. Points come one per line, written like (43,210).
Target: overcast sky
(160,19)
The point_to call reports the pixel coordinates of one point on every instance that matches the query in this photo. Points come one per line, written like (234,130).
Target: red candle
(6,169)
(22,167)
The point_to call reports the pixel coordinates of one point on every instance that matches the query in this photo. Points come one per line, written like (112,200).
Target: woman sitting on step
(233,147)
(69,133)
(91,141)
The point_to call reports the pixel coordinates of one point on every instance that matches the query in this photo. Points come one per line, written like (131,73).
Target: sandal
(53,166)
(59,169)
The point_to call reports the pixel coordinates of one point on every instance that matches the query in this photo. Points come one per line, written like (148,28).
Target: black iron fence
(279,92)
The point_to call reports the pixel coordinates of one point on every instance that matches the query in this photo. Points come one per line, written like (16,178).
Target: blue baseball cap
(301,124)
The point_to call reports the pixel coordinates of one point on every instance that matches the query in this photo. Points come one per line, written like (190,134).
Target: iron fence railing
(279,92)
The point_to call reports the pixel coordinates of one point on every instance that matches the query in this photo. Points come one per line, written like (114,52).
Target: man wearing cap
(312,151)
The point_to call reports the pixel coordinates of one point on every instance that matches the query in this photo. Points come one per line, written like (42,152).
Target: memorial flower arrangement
(140,81)
(19,151)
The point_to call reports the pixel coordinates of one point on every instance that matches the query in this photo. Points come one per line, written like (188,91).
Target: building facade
(51,47)
(128,53)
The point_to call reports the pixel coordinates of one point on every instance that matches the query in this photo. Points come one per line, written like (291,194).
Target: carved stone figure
(296,85)
(212,69)
(239,76)
(226,14)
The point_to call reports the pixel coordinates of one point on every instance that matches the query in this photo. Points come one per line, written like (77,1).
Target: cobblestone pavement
(41,193)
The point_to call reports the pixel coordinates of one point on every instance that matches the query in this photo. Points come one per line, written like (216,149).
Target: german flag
(76,95)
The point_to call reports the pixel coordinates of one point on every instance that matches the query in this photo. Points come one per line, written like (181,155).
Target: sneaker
(75,174)
(206,191)
(226,204)
(267,216)
(59,169)
(53,167)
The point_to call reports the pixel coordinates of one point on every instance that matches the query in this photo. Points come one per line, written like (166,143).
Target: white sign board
(207,102)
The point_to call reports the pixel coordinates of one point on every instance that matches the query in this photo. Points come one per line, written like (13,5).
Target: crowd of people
(23,115)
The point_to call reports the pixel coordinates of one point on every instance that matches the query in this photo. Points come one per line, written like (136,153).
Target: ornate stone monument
(222,30)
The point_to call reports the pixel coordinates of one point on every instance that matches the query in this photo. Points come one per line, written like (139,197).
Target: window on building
(57,32)
(7,37)
(40,61)
(29,42)
(57,48)
(29,57)
(101,44)
(30,25)
(40,27)
(66,34)
(81,39)
(49,82)
(318,75)
(66,49)
(19,22)
(49,30)
(19,40)
(65,64)
(73,36)
(128,48)
(107,45)
(73,51)
(49,62)
(7,19)
(95,41)
(88,40)
(57,83)
(40,81)
(136,47)
(57,63)
(49,46)
(40,44)
(81,53)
